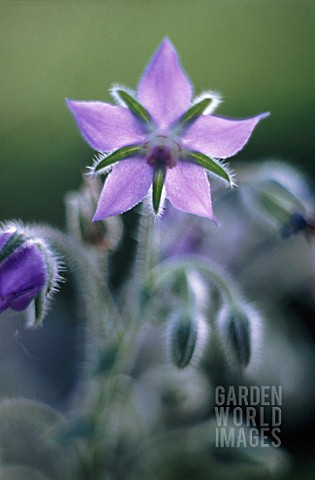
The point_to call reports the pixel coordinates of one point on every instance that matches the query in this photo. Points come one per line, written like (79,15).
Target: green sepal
(134,106)
(50,263)
(117,155)
(39,307)
(239,338)
(157,187)
(36,311)
(15,241)
(183,340)
(273,206)
(195,111)
(278,201)
(210,165)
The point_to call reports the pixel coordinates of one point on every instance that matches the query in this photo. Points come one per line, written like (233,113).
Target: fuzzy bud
(81,206)
(28,272)
(187,336)
(280,196)
(240,332)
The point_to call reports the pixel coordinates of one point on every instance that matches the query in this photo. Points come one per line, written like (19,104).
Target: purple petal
(219,137)
(106,127)
(22,301)
(125,186)
(22,275)
(164,88)
(5,303)
(4,237)
(188,189)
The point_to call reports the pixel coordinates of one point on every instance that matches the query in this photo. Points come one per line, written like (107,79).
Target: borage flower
(160,139)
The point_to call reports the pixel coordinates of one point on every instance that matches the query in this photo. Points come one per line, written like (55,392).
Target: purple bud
(25,270)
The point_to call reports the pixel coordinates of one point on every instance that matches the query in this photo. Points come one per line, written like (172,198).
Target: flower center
(162,151)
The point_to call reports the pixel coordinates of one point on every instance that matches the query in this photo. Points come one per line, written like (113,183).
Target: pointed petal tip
(215,220)
(164,88)
(166,47)
(73,105)
(98,217)
(166,43)
(106,127)
(209,215)
(70,102)
(101,215)
(264,115)
(220,137)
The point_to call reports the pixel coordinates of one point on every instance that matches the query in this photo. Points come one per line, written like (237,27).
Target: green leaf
(117,155)
(14,242)
(210,165)
(134,106)
(157,187)
(194,111)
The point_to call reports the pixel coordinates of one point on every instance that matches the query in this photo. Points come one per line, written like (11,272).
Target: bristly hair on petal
(117,98)
(231,173)
(162,205)
(55,264)
(97,159)
(10,226)
(216,100)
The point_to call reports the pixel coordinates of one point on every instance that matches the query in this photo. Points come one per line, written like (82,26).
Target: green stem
(223,282)
(146,259)
(88,269)
(103,326)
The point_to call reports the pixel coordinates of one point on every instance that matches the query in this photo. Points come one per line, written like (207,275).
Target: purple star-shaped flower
(159,138)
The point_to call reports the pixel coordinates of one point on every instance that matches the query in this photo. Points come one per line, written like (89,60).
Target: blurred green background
(259,54)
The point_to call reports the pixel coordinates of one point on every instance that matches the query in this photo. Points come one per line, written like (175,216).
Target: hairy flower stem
(103,327)
(87,266)
(121,260)
(223,282)
(145,261)
(146,257)
(107,387)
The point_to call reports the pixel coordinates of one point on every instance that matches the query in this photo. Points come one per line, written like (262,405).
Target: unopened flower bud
(28,272)
(280,196)
(240,331)
(187,336)
(80,210)
(297,223)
